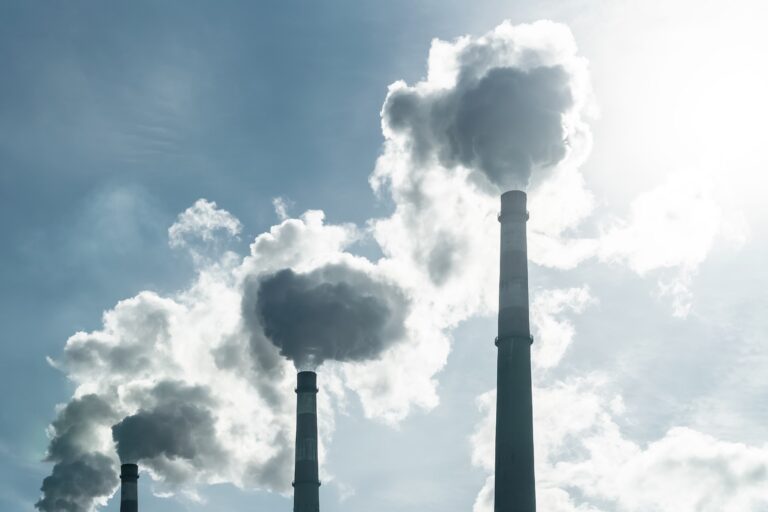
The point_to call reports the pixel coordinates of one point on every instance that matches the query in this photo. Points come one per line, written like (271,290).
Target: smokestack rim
(306,381)
(513,204)
(129,471)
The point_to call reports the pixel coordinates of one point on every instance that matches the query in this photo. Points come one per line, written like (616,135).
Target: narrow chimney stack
(515,482)
(129,492)
(306,483)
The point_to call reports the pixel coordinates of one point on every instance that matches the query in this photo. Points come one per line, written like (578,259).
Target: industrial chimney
(515,482)
(129,493)
(306,484)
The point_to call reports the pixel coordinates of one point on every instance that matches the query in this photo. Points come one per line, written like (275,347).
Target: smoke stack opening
(306,381)
(129,492)
(513,204)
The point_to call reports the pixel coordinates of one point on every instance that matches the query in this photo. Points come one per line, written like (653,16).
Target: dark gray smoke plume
(173,432)
(79,475)
(505,124)
(334,312)
(178,426)
(75,483)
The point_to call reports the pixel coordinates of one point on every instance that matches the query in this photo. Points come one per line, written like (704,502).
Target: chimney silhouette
(306,485)
(515,482)
(129,492)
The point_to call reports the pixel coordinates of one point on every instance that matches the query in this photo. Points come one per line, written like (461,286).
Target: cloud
(670,229)
(672,225)
(300,243)
(666,235)
(334,312)
(281,205)
(127,345)
(554,333)
(203,221)
(584,462)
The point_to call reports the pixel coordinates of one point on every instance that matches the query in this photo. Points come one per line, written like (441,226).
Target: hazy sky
(647,245)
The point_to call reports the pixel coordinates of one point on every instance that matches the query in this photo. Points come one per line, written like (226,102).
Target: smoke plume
(505,123)
(73,485)
(81,473)
(500,111)
(334,312)
(179,425)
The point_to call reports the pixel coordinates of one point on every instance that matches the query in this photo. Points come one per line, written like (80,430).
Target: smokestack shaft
(306,483)
(129,492)
(515,489)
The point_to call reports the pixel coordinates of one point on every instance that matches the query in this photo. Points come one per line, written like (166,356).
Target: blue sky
(116,119)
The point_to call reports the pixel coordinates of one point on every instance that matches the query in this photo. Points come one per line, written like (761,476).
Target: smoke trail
(179,426)
(74,485)
(81,474)
(334,312)
(496,112)
(504,123)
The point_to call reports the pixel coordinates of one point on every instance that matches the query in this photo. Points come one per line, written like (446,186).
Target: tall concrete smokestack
(515,482)
(306,484)
(129,492)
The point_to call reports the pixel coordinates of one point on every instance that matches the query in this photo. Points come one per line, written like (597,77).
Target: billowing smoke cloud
(500,106)
(180,425)
(504,110)
(334,312)
(82,473)
(75,484)
(505,123)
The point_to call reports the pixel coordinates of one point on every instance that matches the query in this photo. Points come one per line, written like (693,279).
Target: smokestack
(129,492)
(306,484)
(515,482)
